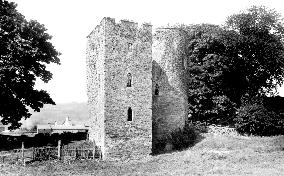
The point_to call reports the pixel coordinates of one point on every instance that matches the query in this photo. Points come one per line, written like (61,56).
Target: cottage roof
(67,125)
(74,127)
(44,127)
(62,127)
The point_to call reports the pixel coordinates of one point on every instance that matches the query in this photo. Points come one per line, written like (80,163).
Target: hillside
(78,113)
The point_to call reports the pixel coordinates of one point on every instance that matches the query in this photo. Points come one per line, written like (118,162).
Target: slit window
(156,89)
(129,46)
(129,79)
(129,114)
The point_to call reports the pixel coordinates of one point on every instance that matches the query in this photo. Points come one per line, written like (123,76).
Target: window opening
(156,89)
(129,114)
(182,62)
(129,46)
(129,79)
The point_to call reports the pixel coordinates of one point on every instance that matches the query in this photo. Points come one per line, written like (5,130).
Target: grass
(214,155)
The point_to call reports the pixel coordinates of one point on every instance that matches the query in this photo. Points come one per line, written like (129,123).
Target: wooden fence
(49,153)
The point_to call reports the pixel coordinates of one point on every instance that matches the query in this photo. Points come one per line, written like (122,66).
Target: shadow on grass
(177,141)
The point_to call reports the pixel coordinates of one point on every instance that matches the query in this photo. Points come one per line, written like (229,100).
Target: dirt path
(214,155)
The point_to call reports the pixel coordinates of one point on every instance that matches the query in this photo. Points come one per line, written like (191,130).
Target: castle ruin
(135,85)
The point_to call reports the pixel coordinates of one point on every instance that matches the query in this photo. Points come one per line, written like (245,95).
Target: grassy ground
(213,155)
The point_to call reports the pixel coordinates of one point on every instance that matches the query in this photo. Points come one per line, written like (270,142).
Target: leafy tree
(259,63)
(274,104)
(25,51)
(208,63)
(241,60)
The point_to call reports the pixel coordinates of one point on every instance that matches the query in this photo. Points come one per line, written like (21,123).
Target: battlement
(128,23)
(121,24)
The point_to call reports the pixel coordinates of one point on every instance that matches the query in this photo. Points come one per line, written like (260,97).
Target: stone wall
(96,83)
(169,62)
(117,52)
(127,50)
(221,130)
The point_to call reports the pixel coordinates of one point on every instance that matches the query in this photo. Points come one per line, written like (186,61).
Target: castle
(136,86)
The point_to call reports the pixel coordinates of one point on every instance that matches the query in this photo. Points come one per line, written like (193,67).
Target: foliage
(255,119)
(225,64)
(206,73)
(25,51)
(260,49)
(182,138)
(179,139)
(274,104)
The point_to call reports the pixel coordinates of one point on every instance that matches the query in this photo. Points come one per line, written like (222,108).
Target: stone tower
(119,88)
(170,102)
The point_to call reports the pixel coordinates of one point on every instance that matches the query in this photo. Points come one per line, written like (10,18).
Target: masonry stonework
(96,83)
(135,86)
(169,64)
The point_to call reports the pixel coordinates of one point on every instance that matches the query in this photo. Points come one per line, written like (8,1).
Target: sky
(70,21)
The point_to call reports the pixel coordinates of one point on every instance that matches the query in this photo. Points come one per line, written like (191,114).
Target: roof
(67,125)
(44,126)
(62,127)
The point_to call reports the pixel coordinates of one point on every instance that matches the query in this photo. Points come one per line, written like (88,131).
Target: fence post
(33,157)
(101,153)
(76,153)
(94,150)
(59,149)
(23,153)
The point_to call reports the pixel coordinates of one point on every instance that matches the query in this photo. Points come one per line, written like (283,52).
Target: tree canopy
(237,61)
(25,50)
(260,48)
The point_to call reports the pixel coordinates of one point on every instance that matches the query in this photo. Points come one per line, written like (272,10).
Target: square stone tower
(119,88)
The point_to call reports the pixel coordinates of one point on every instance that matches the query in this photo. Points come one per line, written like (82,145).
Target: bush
(159,145)
(255,119)
(182,138)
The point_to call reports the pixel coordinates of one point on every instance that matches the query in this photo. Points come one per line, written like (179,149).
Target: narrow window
(129,77)
(129,114)
(182,62)
(129,46)
(156,89)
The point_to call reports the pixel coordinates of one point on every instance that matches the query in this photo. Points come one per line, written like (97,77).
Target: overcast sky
(70,21)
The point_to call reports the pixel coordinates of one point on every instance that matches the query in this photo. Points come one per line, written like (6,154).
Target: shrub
(182,138)
(255,119)
(159,145)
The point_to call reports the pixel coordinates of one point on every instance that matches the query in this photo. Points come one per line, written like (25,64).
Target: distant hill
(78,113)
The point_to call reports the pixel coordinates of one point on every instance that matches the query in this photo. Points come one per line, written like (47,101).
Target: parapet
(121,24)
(129,24)
(164,32)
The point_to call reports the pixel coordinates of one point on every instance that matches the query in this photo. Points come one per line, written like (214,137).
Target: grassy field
(213,155)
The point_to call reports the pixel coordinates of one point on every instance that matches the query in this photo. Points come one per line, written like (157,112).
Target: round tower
(170,104)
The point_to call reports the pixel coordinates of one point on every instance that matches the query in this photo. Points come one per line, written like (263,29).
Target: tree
(208,64)
(25,51)
(260,50)
(228,64)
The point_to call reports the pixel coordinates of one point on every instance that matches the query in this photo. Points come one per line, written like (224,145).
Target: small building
(44,128)
(3,128)
(67,126)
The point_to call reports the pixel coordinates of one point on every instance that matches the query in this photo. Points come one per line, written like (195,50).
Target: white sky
(70,21)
